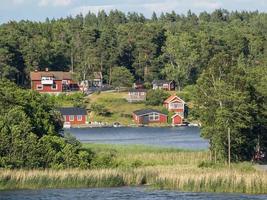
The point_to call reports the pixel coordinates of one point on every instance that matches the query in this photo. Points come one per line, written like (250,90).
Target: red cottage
(73,116)
(177,105)
(174,104)
(53,82)
(148,116)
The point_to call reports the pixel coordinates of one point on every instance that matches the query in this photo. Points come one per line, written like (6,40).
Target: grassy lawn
(116,103)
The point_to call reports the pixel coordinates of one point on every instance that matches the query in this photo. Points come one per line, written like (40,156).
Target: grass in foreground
(138,165)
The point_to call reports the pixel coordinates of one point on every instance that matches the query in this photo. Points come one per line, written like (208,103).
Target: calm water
(178,137)
(129,193)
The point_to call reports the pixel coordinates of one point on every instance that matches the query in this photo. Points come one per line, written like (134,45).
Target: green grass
(116,103)
(163,168)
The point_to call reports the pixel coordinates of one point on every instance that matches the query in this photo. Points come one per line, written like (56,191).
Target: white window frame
(71,118)
(65,82)
(38,85)
(153,117)
(176,105)
(79,118)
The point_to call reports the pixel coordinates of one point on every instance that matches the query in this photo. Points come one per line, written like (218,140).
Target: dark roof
(137,90)
(58,75)
(147,111)
(161,82)
(72,111)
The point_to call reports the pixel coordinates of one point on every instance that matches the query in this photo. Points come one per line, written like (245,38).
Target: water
(128,193)
(178,137)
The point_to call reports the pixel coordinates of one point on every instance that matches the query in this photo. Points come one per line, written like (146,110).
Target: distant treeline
(170,46)
(222,55)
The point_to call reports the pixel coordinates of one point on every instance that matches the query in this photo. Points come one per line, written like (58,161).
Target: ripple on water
(127,193)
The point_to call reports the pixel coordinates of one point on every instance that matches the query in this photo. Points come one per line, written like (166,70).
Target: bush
(104,159)
(156,97)
(100,109)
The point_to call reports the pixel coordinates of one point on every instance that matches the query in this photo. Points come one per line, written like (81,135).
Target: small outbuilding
(74,115)
(148,116)
(136,95)
(163,85)
(177,119)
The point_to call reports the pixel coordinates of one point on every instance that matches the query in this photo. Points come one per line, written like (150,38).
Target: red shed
(74,115)
(148,116)
(177,119)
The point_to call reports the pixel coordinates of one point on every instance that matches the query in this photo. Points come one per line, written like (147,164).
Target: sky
(39,10)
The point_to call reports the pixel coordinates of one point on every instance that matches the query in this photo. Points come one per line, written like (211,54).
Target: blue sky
(38,10)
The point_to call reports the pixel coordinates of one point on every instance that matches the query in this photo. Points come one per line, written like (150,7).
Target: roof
(170,98)
(137,90)
(161,82)
(58,75)
(72,111)
(146,111)
(177,114)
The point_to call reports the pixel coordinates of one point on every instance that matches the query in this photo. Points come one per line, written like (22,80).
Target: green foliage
(226,99)
(156,97)
(29,137)
(121,77)
(74,99)
(104,160)
(100,109)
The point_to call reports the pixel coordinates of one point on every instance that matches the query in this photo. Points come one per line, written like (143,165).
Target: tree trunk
(229,147)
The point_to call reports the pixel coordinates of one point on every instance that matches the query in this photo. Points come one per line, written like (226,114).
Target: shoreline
(157,168)
(131,126)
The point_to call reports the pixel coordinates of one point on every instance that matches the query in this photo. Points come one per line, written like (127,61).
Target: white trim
(173,98)
(150,113)
(177,114)
(71,118)
(79,118)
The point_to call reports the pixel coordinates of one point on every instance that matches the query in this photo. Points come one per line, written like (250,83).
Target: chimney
(46,69)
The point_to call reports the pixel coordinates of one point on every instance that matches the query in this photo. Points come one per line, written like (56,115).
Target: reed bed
(163,169)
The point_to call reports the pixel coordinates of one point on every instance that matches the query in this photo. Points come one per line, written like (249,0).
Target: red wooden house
(177,105)
(148,116)
(52,82)
(74,115)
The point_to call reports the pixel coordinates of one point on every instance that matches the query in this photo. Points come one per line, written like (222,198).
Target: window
(64,82)
(153,117)
(79,118)
(176,105)
(64,116)
(71,118)
(39,87)
(54,87)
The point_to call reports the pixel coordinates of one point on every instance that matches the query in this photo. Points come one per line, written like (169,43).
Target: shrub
(156,97)
(100,109)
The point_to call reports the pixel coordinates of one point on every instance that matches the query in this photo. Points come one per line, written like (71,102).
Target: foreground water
(129,193)
(177,137)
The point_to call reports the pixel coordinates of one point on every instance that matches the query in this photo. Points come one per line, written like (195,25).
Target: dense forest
(222,54)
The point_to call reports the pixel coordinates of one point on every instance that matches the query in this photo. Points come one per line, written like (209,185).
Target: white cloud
(95,9)
(43,3)
(158,6)
(17,2)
